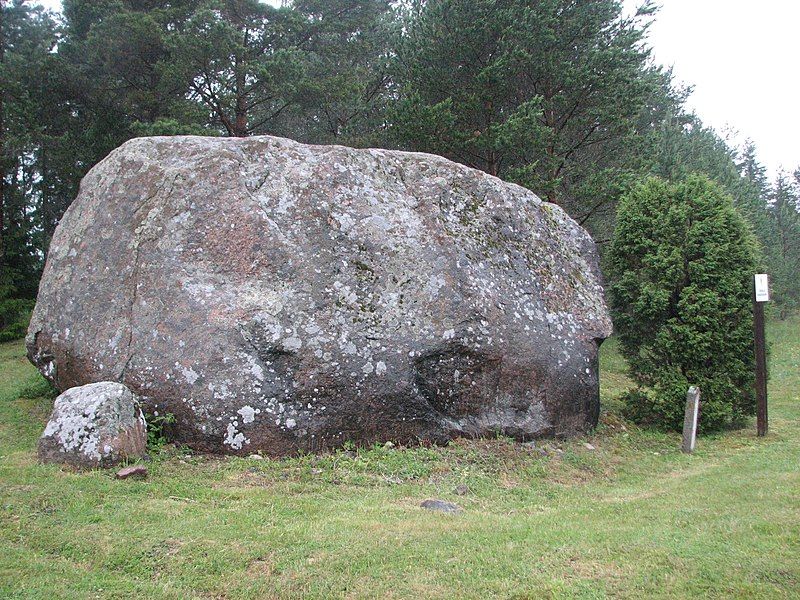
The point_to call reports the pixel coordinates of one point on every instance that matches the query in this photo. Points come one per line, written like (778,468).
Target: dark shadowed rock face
(279,297)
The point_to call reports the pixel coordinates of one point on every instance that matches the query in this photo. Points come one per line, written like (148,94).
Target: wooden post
(690,420)
(760,296)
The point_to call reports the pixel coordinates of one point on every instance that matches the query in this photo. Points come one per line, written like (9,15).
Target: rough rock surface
(441,506)
(134,471)
(94,425)
(278,297)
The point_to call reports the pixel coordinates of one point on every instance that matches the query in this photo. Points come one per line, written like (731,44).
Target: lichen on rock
(94,425)
(280,297)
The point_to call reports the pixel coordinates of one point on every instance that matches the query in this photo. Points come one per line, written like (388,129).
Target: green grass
(633,518)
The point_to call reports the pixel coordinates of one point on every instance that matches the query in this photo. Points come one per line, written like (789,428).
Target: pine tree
(344,95)
(554,95)
(238,59)
(783,212)
(27,36)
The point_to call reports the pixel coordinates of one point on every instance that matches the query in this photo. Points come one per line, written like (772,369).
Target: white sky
(742,59)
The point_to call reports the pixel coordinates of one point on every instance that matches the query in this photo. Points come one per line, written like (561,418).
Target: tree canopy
(554,95)
(561,96)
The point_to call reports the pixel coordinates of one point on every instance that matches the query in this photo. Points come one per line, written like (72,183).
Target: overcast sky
(742,59)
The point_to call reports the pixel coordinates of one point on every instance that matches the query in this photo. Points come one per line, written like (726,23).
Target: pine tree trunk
(550,121)
(240,123)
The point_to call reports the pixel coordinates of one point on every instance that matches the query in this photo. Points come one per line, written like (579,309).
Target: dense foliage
(784,241)
(682,261)
(557,95)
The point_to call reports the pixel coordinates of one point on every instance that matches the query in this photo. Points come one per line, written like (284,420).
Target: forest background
(560,96)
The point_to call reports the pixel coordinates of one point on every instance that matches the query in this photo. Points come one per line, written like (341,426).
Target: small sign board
(762,287)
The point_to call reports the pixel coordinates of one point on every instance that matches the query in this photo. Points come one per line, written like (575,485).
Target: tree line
(560,96)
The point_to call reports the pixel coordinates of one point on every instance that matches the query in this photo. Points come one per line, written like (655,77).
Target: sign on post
(690,420)
(762,287)
(760,295)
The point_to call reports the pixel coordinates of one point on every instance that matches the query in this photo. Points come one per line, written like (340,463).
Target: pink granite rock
(278,297)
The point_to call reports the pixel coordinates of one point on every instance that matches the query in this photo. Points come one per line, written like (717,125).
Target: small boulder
(94,425)
(461,490)
(135,471)
(441,506)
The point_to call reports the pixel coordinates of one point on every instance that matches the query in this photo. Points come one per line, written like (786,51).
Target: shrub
(15,314)
(158,430)
(681,265)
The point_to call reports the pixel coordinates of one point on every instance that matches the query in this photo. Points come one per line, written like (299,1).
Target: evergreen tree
(752,170)
(685,146)
(751,197)
(121,60)
(27,37)
(785,266)
(554,95)
(682,261)
(238,60)
(344,97)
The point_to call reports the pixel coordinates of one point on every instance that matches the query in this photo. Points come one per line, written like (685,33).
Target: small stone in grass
(588,446)
(441,506)
(388,445)
(255,457)
(136,471)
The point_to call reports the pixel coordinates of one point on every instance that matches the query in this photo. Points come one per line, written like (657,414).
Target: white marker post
(760,296)
(690,420)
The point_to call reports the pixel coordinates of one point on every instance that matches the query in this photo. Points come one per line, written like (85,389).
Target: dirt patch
(263,566)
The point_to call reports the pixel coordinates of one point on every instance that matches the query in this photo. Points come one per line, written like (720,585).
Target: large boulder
(281,297)
(94,425)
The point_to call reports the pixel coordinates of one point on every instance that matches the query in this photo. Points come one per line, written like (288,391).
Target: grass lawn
(632,518)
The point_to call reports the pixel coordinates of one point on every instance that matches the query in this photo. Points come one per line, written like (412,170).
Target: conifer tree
(785,251)
(554,95)
(682,262)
